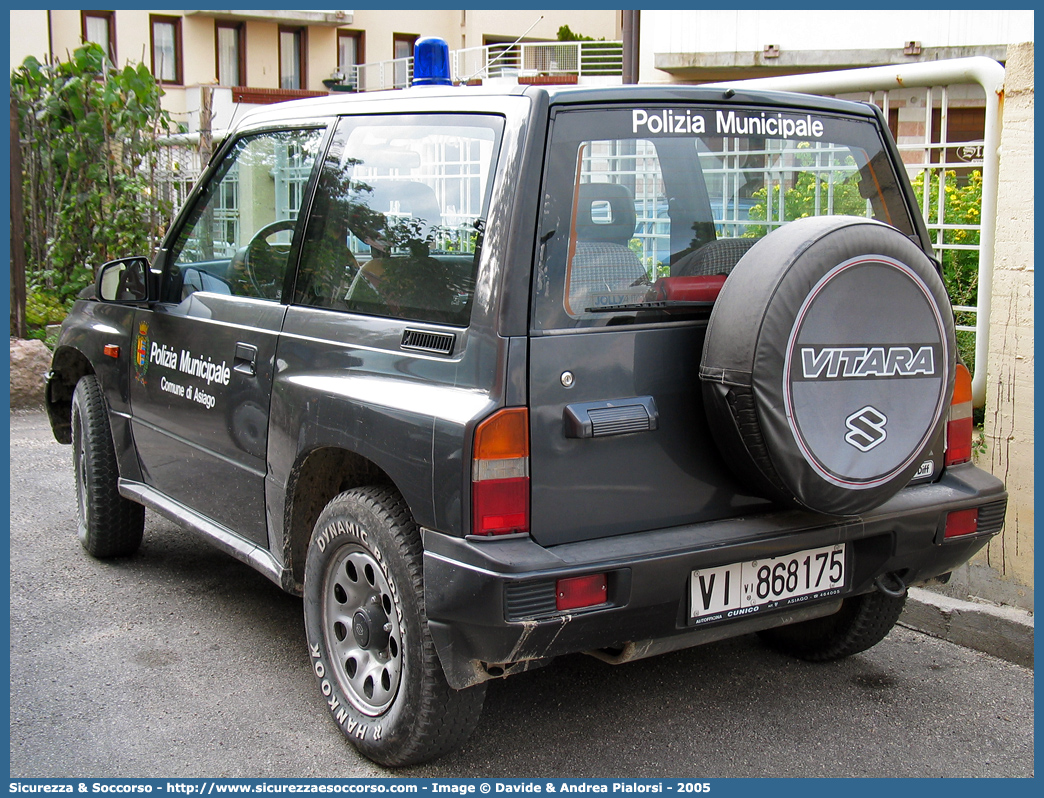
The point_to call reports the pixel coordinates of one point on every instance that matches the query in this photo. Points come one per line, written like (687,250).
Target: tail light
(500,474)
(581,591)
(962,522)
(959,423)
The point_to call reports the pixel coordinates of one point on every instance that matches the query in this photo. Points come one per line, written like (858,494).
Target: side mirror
(123,280)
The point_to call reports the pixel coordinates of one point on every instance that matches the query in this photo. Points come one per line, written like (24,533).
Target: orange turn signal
(503,435)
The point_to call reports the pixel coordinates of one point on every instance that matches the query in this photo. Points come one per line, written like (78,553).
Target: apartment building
(259,57)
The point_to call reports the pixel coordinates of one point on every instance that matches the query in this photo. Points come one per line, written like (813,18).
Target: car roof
(470,98)
(706,93)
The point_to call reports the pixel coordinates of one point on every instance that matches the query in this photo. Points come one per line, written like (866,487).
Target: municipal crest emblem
(141,353)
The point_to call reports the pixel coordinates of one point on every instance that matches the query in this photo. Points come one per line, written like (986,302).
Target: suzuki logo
(866,428)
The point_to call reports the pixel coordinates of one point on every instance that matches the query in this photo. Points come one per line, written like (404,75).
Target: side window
(237,238)
(396,225)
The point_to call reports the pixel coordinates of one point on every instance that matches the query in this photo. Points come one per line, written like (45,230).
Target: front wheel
(108,524)
(862,622)
(368,640)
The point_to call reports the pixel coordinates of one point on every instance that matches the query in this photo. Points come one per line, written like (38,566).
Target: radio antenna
(502,53)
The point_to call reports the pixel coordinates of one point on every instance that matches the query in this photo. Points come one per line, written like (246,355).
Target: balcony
(327,18)
(536,62)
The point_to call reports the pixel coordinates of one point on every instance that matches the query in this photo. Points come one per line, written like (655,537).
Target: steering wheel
(365,288)
(259,259)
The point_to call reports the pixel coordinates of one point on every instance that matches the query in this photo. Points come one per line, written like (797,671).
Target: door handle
(246,359)
(617,417)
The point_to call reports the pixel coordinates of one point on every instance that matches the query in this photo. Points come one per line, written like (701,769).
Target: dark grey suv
(490,376)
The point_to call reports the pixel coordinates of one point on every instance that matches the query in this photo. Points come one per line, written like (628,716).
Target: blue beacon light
(431,65)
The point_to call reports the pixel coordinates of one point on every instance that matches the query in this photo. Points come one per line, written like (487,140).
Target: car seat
(603,225)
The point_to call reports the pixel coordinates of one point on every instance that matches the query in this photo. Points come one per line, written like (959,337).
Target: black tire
(108,525)
(828,365)
(368,640)
(862,622)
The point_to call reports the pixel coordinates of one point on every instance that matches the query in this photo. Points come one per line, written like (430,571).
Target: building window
(231,54)
(291,58)
(349,51)
(402,44)
(166,48)
(402,47)
(97,27)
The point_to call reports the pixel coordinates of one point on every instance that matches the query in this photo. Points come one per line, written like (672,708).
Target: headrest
(605,212)
(405,197)
(715,257)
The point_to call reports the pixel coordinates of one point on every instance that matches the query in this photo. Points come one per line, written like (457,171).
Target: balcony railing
(579,59)
(378,75)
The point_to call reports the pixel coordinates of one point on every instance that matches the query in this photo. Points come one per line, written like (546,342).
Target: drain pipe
(631,42)
(985,72)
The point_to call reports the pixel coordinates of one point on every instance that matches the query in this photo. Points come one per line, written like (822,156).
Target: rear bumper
(491,602)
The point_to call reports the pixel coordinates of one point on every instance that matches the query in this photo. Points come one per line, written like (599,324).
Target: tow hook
(898,591)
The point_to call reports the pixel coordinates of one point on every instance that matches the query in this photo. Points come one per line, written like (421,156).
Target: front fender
(81,349)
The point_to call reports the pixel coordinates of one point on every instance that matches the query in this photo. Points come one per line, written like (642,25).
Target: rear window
(648,209)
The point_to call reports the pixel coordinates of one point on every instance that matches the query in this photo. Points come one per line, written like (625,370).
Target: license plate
(745,588)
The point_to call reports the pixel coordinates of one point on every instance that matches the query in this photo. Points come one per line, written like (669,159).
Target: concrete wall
(1005,570)
(698,46)
(510,24)
(28,35)
(737,30)
(380,26)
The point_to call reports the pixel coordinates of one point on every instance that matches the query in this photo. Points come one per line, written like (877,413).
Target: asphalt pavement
(182,662)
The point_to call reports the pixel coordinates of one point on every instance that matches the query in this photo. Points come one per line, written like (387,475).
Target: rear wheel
(108,524)
(368,638)
(863,621)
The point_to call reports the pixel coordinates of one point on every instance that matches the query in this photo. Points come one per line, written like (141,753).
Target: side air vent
(426,341)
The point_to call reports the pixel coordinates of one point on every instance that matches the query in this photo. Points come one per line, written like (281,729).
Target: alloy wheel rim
(81,472)
(362,630)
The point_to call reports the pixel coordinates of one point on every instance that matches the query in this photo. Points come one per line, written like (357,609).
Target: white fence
(396,74)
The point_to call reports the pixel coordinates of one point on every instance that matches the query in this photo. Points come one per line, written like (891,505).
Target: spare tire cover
(829,363)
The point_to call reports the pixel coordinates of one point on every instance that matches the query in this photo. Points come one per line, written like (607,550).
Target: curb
(1003,632)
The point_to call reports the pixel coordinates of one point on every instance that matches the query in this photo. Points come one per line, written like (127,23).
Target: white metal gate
(936,88)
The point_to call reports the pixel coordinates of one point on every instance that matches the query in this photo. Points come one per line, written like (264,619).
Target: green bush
(565,34)
(961,207)
(799,201)
(88,134)
(42,307)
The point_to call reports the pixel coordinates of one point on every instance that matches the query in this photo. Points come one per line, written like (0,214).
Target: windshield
(648,209)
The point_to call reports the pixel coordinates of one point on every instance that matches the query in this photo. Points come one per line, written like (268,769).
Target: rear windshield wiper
(658,304)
